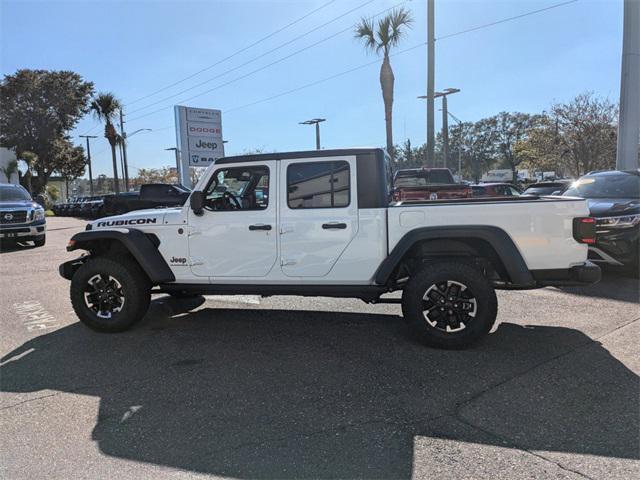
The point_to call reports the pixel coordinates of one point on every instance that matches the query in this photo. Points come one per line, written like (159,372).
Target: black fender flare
(501,242)
(135,241)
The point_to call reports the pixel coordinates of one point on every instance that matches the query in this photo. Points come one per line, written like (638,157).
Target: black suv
(614,202)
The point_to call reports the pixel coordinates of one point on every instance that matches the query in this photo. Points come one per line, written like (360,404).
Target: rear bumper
(585,274)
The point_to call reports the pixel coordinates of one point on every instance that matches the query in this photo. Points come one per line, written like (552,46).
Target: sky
(136,48)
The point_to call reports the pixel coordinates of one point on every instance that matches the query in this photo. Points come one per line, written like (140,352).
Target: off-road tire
(40,241)
(437,278)
(135,289)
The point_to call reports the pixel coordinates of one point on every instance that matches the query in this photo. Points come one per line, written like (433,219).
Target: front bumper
(23,232)
(586,274)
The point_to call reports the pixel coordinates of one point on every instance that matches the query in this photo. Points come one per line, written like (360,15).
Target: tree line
(570,139)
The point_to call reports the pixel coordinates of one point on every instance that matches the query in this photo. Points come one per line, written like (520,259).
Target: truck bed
(541,227)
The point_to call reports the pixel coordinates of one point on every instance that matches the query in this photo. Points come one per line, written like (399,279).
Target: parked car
(495,190)
(92,207)
(548,188)
(427,184)
(323,226)
(151,195)
(614,203)
(21,219)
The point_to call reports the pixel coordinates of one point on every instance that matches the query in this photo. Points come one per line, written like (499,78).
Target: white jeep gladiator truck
(322,223)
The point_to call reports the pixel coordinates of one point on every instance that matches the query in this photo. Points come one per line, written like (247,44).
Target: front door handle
(334,225)
(260,227)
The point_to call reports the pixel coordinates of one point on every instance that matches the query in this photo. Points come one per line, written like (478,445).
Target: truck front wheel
(109,296)
(449,305)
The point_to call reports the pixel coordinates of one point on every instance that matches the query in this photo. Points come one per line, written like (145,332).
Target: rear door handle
(334,225)
(259,227)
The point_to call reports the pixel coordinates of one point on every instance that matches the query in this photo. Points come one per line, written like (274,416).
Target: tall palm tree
(382,38)
(105,107)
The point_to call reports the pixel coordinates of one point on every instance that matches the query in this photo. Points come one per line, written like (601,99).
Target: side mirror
(197,201)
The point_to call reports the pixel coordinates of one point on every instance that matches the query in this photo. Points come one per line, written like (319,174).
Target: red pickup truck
(427,184)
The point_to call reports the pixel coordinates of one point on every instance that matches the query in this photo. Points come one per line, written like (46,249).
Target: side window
(318,185)
(239,188)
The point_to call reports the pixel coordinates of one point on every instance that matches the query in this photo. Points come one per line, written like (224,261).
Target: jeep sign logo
(204,145)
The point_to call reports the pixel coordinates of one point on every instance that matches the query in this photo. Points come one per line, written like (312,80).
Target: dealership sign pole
(199,139)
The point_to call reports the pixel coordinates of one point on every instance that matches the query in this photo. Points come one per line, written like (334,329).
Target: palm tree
(105,107)
(387,35)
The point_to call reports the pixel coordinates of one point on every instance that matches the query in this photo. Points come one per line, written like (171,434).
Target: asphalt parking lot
(313,388)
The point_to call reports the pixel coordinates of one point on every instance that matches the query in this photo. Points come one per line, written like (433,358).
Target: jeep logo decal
(133,221)
(178,260)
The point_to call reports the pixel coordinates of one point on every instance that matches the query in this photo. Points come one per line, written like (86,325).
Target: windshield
(13,194)
(606,186)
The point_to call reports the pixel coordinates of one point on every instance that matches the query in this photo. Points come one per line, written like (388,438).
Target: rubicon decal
(132,221)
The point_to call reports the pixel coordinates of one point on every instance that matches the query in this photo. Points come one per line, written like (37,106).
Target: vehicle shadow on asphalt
(614,285)
(297,394)
(15,247)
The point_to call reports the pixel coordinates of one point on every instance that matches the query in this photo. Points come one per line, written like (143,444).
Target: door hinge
(286,229)
(196,261)
(194,231)
(287,261)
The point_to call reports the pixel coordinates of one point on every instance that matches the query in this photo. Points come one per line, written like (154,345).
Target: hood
(613,207)
(20,204)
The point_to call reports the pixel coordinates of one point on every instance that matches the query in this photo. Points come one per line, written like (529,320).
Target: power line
(233,54)
(354,68)
(498,22)
(264,67)
(326,79)
(394,54)
(269,52)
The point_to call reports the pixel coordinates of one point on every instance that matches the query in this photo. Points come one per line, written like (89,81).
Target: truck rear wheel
(449,305)
(109,296)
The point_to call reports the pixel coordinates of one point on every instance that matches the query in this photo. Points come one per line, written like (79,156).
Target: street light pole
(89,162)
(316,122)
(445,132)
(459,122)
(430,80)
(445,119)
(629,117)
(125,167)
(178,166)
(123,152)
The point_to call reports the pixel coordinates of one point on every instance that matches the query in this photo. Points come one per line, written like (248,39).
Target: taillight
(584,230)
